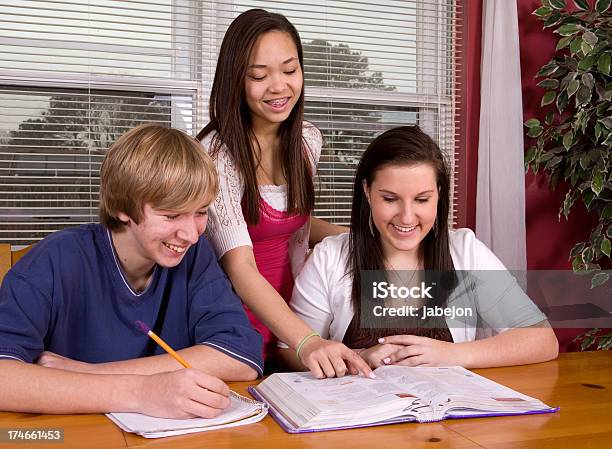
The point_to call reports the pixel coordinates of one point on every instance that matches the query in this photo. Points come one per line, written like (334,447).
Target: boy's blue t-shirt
(69,295)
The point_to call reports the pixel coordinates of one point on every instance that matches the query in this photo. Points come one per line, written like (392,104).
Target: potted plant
(573,142)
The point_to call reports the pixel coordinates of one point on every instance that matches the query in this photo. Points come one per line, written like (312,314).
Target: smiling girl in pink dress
(266,156)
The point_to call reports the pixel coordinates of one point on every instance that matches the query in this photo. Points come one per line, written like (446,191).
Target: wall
(549,240)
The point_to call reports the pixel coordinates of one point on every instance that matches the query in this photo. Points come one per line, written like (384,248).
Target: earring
(371,224)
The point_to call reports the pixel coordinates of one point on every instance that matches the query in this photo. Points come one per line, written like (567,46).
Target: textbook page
(457,391)
(350,400)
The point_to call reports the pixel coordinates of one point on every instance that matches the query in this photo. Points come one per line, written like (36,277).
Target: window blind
(74,75)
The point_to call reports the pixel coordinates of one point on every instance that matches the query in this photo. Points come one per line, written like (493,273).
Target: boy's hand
(52,360)
(325,358)
(186,393)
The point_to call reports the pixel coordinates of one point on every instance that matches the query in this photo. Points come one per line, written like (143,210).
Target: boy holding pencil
(69,342)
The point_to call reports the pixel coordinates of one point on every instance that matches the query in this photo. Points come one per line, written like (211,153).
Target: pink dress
(271,238)
(279,240)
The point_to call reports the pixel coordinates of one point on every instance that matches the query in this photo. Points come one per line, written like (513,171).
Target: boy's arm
(201,357)
(181,394)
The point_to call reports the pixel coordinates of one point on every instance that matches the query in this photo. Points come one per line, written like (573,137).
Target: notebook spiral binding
(241,398)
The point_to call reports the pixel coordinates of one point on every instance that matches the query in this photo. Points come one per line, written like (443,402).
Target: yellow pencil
(146,330)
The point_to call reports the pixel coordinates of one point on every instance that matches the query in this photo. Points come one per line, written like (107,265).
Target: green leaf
(609,231)
(584,161)
(568,29)
(588,80)
(557,4)
(530,155)
(560,72)
(577,249)
(605,343)
(548,98)
(547,69)
(562,101)
(542,11)
(549,83)
(583,95)
(601,108)
(572,63)
(590,38)
(597,183)
(598,129)
(587,255)
(587,62)
(532,122)
(603,64)
(606,247)
(568,202)
(608,141)
(586,343)
(577,264)
(535,131)
(554,162)
(607,122)
(568,138)
(549,118)
(572,88)
(606,214)
(552,20)
(581,4)
(601,6)
(599,279)
(547,156)
(586,48)
(588,196)
(576,45)
(563,42)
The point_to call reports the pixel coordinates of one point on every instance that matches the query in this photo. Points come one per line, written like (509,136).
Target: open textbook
(241,411)
(301,403)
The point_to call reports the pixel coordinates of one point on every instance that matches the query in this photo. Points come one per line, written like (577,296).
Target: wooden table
(580,383)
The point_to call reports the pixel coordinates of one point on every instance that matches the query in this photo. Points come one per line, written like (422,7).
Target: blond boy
(67,309)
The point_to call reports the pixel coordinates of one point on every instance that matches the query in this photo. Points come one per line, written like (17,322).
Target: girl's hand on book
(182,394)
(374,355)
(52,360)
(325,358)
(422,351)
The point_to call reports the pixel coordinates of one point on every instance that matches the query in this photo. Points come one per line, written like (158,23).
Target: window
(75,75)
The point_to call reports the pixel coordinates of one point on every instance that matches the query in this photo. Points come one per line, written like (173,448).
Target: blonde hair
(154,165)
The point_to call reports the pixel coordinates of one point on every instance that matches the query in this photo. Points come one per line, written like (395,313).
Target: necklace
(395,271)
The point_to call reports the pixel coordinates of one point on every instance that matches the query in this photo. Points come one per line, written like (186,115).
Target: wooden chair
(9,258)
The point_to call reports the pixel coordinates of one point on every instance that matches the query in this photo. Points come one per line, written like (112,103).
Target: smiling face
(274,79)
(404,201)
(161,237)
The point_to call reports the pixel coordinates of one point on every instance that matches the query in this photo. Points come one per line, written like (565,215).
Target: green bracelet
(303,342)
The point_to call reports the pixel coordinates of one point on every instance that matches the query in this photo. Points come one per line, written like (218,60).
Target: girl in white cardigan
(399,223)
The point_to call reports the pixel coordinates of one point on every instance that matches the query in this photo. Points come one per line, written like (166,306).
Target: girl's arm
(519,346)
(324,358)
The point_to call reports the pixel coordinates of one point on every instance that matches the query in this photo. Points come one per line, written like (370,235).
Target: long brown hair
(405,145)
(230,116)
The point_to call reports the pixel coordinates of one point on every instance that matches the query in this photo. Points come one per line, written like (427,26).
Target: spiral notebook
(301,403)
(241,411)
